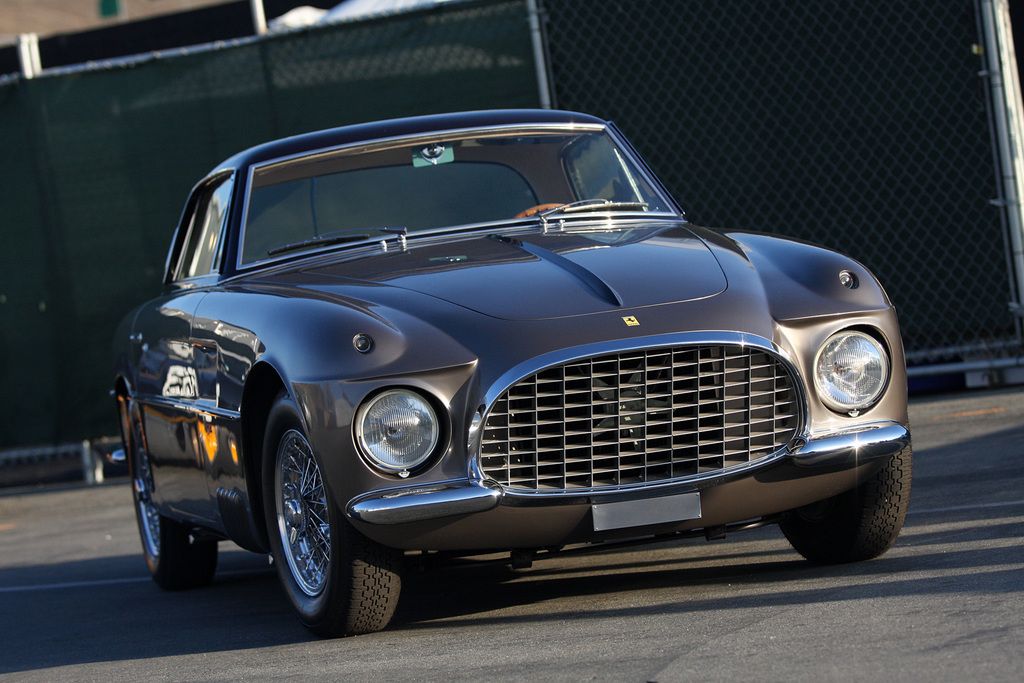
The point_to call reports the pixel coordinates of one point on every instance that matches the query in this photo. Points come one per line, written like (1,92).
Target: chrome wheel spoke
(302,513)
(149,518)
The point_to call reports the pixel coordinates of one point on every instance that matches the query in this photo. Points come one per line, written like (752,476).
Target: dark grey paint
(461,317)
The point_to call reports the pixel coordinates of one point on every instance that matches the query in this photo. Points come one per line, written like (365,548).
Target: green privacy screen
(858,124)
(95,167)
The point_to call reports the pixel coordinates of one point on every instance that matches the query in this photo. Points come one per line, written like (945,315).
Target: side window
(201,245)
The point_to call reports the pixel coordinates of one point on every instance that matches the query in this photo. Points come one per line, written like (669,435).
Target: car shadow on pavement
(44,624)
(125,616)
(611,586)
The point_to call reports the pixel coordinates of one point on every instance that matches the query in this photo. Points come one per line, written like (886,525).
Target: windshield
(428,184)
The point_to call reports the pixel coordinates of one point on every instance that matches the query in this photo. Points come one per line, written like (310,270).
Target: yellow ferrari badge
(630,321)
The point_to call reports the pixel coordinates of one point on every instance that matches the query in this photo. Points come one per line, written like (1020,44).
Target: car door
(174,380)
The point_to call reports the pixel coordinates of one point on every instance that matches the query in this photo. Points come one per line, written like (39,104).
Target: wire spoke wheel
(142,485)
(302,513)
(176,559)
(339,581)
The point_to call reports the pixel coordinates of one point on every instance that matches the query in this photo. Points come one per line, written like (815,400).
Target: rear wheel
(857,525)
(176,560)
(338,581)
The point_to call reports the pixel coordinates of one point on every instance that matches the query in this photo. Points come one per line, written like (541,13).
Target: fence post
(1008,116)
(92,467)
(539,54)
(28,55)
(259,17)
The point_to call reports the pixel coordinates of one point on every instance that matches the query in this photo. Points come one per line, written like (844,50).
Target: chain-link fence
(95,166)
(858,125)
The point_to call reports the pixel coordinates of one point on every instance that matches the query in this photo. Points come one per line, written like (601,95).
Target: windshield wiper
(584,205)
(594,205)
(317,242)
(334,238)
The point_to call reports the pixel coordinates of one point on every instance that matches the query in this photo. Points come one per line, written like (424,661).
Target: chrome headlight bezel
(853,384)
(414,411)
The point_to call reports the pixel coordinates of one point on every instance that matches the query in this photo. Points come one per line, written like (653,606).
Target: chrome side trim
(418,503)
(204,409)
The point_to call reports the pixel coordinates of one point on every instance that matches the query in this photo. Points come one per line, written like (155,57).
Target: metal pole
(539,54)
(966,366)
(28,55)
(1008,114)
(259,17)
(92,467)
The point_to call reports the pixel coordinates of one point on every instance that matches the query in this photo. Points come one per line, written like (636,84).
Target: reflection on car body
(493,331)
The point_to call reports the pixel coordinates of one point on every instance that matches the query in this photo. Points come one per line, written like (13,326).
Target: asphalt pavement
(945,604)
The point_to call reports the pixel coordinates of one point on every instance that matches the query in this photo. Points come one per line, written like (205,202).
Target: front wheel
(175,559)
(339,582)
(857,525)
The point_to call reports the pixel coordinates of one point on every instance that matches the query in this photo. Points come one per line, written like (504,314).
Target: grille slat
(640,417)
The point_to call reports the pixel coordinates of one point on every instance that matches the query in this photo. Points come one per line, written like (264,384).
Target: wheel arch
(122,399)
(262,386)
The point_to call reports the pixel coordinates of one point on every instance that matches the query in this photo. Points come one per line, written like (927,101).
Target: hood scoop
(588,279)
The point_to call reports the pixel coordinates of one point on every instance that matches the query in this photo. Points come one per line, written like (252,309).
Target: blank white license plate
(631,513)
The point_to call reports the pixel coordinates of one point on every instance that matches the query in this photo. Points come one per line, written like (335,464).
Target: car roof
(366,132)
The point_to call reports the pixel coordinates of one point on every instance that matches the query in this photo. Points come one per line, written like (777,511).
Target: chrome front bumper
(460,497)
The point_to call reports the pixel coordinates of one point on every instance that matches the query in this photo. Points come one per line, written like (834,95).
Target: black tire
(857,525)
(339,582)
(176,560)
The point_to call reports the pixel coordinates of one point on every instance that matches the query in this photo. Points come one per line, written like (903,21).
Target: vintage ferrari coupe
(493,332)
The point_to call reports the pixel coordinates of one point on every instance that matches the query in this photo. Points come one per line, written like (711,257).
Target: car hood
(542,276)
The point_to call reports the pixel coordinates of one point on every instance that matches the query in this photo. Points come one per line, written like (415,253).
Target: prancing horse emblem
(630,321)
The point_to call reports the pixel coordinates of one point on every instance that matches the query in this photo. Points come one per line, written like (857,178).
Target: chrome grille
(640,417)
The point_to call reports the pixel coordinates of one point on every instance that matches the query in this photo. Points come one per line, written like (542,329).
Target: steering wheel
(534,210)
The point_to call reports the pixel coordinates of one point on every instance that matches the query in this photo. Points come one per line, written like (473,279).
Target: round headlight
(397,430)
(850,371)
